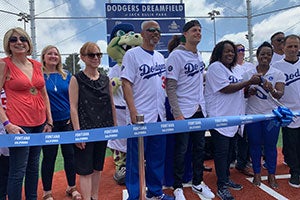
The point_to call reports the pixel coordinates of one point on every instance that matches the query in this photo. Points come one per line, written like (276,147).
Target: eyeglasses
(280,39)
(241,50)
(92,55)
(14,39)
(152,30)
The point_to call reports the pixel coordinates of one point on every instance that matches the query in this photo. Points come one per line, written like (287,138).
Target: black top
(94,104)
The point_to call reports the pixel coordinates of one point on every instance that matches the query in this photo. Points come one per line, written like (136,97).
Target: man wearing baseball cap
(185,92)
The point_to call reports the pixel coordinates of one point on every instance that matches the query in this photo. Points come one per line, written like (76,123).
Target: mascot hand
(116,83)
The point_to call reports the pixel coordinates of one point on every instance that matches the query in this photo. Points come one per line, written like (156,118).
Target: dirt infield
(109,190)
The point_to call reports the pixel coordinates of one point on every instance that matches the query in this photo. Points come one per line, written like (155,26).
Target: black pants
(4,166)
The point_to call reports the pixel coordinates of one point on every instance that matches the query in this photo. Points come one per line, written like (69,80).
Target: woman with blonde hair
(27,110)
(57,83)
(92,106)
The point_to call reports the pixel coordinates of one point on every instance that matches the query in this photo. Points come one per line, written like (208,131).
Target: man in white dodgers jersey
(290,66)
(143,72)
(4,155)
(277,43)
(185,92)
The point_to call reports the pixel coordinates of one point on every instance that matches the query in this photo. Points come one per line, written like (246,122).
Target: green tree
(102,70)
(68,65)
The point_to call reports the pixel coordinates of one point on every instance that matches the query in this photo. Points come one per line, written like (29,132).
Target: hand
(181,117)
(14,129)
(252,91)
(268,86)
(80,145)
(255,79)
(47,128)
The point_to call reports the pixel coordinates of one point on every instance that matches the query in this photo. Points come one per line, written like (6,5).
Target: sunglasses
(280,40)
(241,50)
(14,39)
(152,30)
(92,55)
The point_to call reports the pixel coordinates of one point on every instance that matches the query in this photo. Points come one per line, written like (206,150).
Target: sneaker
(233,185)
(246,171)
(162,197)
(224,194)
(120,176)
(178,193)
(203,190)
(294,181)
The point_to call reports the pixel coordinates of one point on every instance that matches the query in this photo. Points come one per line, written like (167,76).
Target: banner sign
(169,16)
(130,131)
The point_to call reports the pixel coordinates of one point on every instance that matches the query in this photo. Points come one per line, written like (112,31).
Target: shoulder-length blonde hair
(20,31)
(59,66)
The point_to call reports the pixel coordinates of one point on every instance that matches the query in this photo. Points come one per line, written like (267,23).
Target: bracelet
(6,122)
(51,125)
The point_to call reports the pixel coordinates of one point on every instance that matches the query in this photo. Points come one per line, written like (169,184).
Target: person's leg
(155,158)
(198,142)
(221,156)
(4,167)
(180,148)
(270,137)
(48,164)
(17,166)
(242,151)
(69,163)
(85,186)
(132,169)
(95,184)
(255,140)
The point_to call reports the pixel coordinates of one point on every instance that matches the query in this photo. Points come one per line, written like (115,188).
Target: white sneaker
(178,193)
(203,190)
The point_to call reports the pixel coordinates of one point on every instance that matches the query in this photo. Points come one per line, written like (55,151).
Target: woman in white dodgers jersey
(224,97)
(264,133)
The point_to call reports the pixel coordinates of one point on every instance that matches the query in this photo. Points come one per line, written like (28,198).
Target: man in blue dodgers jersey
(143,72)
(185,92)
(290,66)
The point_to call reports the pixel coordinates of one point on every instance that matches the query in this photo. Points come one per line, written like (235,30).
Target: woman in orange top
(28,110)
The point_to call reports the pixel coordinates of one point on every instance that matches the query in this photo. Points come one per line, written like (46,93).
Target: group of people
(43,97)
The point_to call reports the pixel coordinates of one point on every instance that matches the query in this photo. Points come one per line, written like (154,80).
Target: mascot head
(122,38)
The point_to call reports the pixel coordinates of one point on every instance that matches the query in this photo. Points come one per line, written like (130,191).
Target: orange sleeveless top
(25,103)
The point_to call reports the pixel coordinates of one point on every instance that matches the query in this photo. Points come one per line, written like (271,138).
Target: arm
(171,86)
(234,87)
(128,96)
(73,96)
(10,128)
(277,91)
(113,105)
(49,124)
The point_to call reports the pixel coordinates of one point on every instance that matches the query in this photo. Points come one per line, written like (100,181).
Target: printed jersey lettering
(233,79)
(192,69)
(149,71)
(290,78)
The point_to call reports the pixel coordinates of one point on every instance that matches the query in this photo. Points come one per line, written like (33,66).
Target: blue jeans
(49,157)
(180,150)
(223,147)
(4,162)
(264,134)
(24,162)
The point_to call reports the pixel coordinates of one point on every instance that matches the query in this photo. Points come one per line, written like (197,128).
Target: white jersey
(122,112)
(245,66)
(187,69)
(291,97)
(261,103)
(147,73)
(219,104)
(115,71)
(276,57)
(4,150)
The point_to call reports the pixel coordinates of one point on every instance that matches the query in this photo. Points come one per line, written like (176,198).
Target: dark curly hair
(218,51)
(264,44)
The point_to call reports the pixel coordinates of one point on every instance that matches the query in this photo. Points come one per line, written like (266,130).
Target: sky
(71,23)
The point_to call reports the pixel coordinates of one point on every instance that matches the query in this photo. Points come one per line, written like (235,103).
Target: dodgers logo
(233,79)
(150,71)
(170,68)
(192,69)
(290,78)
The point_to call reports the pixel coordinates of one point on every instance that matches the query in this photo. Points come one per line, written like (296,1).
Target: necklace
(53,83)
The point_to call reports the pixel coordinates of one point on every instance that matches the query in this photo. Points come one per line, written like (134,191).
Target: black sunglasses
(152,30)
(14,39)
(241,50)
(280,39)
(92,55)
